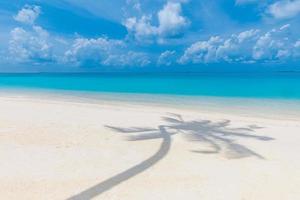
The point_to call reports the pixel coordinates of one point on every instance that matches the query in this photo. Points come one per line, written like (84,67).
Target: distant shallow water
(249,107)
(265,86)
(255,94)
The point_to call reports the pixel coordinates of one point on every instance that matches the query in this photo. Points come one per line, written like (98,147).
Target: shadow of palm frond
(219,136)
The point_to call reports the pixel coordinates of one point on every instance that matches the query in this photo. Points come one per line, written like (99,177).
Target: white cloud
(285,9)
(285,27)
(166,58)
(297,49)
(170,23)
(141,28)
(250,34)
(245,47)
(237,48)
(103,51)
(91,50)
(202,51)
(297,44)
(283,53)
(273,45)
(130,58)
(28,14)
(32,45)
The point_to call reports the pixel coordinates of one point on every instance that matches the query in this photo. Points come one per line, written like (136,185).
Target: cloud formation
(103,51)
(246,47)
(28,14)
(285,9)
(33,45)
(170,23)
(168,37)
(166,58)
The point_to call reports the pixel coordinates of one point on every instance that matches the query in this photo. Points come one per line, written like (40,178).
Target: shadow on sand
(218,136)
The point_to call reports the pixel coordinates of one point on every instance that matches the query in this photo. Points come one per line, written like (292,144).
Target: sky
(149,35)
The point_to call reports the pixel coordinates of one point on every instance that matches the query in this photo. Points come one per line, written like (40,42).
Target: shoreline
(277,109)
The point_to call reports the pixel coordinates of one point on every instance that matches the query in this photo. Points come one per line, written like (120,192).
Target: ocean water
(257,86)
(266,95)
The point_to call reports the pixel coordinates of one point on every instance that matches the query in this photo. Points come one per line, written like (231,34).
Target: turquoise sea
(272,86)
(276,94)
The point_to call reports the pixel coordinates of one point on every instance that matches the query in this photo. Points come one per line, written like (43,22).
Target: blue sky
(149,35)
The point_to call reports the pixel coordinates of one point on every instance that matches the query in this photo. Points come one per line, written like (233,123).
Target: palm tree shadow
(135,170)
(219,136)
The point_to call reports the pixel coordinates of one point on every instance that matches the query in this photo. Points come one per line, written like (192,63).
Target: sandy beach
(59,149)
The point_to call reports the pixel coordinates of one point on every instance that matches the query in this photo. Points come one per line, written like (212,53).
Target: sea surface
(272,86)
(235,92)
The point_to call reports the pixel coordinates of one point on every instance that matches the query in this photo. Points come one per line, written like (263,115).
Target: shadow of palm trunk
(129,173)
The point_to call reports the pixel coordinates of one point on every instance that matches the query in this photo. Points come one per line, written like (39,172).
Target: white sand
(58,149)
